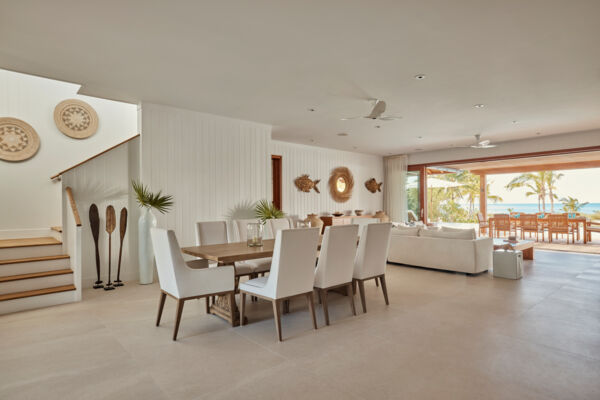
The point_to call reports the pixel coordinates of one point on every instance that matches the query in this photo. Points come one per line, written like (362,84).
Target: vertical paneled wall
(318,163)
(210,164)
(105,181)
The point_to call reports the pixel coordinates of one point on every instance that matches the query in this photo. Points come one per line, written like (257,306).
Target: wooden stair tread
(37,292)
(35,275)
(26,242)
(33,259)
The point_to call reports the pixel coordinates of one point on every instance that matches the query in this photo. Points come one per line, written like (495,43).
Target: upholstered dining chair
(277,224)
(336,263)
(215,232)
(292,273)
(182,283)
(371,258)
(259,265)
(362,222)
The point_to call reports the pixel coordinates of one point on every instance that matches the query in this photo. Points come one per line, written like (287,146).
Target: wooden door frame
(422,168)
(276,180)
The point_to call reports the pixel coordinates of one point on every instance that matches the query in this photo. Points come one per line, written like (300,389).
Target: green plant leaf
(265,210)
(145,198)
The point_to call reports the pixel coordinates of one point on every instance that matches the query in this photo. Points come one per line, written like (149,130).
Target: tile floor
(444,336)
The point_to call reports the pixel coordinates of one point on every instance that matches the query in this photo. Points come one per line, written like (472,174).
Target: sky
(583,184)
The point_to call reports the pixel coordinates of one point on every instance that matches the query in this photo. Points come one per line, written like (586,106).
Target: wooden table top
(230,252)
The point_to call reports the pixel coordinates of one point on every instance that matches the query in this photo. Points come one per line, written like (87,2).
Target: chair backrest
(336,260)
(480,218)
(372,253)
(211,232)
(169,261)
(362,222)
(502,222)
(412,217)
(529,221)
(558,221)
(277,224)
(293,267)
(241,227)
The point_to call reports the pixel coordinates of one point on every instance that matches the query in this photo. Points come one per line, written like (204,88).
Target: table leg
(528,254)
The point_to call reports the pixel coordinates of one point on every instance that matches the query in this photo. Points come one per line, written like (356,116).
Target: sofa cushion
(444,234)
(406,231)
(468,233)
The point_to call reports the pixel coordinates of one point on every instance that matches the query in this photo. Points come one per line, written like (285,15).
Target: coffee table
(526,246)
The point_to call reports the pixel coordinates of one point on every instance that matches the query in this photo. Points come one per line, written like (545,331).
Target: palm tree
(535,182)
(571,204)
(551,179)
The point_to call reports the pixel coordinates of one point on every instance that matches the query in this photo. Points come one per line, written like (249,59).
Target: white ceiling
(535,61)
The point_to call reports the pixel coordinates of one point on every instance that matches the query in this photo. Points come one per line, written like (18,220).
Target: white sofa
(446,248)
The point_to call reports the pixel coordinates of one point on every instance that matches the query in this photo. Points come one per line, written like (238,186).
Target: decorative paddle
(95,226)
(122,229)
(111,222)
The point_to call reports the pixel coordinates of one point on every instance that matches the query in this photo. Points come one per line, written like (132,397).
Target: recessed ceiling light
(311,140)
(515,121)
(419,137)
(420,77)
(378,126)
(479,105)
(354,147)
(342,134)
(311,110)
(538,133)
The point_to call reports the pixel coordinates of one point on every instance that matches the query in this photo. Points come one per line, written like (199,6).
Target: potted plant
(265,210)
(147,201)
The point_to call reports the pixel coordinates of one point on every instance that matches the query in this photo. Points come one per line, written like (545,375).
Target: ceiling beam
(538,167)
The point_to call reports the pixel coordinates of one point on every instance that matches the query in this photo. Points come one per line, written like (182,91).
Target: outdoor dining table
(544,221)
(228,254)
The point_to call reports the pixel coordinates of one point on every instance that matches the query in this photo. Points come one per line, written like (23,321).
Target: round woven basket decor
(18,140)
(76,118)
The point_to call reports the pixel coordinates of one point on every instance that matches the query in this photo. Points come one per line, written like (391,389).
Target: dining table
(228,254)
(578,220)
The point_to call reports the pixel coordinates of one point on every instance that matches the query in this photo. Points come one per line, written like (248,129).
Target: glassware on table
(255,234)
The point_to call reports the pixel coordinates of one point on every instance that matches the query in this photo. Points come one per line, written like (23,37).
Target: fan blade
(378,109)
(484,143)
(348,118)
(389,118)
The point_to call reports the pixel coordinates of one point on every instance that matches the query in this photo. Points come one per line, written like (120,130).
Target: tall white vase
(146,253)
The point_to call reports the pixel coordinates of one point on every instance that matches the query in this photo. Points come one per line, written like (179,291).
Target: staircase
(34,273)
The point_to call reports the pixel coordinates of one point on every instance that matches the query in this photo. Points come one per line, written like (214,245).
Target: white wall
(542,143)
(34,200)
(208,163)
(318,162)
(105,181)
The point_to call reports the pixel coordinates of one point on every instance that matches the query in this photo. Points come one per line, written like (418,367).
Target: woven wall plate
(18,140)
(76,118)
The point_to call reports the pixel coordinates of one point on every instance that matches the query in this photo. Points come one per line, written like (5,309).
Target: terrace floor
(445,335)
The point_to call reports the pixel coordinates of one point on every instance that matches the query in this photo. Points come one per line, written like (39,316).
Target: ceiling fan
(481,144)
(376,112)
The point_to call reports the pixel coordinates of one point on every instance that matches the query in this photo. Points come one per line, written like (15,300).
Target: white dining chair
(336,263)
(371,258)
(215,232)
(292,273)
(259,265)
(277,224)
(362,222)
(182,283)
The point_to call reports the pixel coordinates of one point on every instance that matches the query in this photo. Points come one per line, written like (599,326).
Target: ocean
(531,208)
